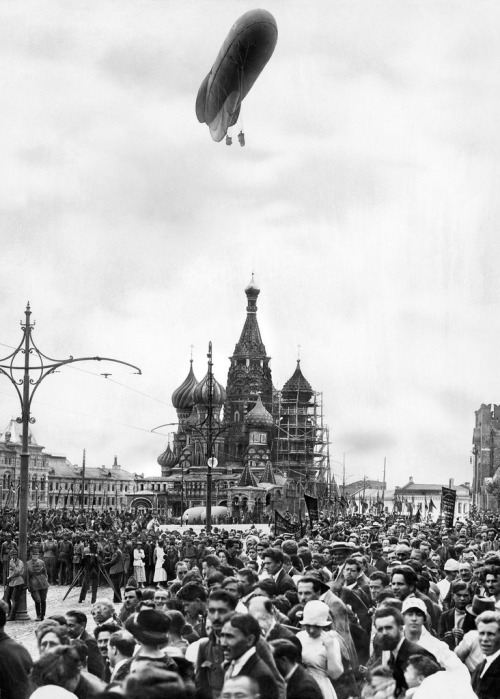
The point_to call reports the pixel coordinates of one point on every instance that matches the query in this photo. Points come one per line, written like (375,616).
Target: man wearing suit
(15,663)
(273,565)
(116,568)
(486,677)
(446,550)
(238,638)
(299,683)
(391,647)
(121,649)
(354,581)
(77,621)
(454,623)
(262,609)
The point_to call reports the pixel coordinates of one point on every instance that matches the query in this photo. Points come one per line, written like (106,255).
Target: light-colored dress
(160,572)
(315,661)
(139,573)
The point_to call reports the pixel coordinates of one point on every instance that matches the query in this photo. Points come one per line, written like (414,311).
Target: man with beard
(390,647)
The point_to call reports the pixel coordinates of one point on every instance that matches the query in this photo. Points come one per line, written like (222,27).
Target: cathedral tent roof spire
(247,479)
(298,385)
(250,342)
(268,475)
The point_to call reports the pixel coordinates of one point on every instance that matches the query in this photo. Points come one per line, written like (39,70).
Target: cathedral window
(236,416)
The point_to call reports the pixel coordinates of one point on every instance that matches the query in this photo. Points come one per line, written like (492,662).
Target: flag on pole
(432,506)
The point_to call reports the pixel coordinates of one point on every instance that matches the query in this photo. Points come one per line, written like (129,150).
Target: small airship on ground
(242,57)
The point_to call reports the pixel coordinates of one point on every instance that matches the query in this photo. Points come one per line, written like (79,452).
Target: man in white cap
(451,573)
(415,615)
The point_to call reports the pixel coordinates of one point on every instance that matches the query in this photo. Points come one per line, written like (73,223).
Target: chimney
(451,484)
(115,462)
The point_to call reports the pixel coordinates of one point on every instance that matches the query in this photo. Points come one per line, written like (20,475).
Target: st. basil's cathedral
(269,445)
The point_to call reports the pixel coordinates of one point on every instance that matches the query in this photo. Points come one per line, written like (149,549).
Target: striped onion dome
(182,397)
(259,416)
(167,459)
(201,391)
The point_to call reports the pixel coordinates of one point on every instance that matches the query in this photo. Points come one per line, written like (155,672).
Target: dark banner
(283,526)
(448,498)
(312,509)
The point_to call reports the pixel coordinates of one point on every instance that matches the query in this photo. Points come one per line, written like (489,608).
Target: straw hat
(316,613)
(479,605)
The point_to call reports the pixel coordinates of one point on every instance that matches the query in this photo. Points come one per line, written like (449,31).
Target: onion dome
(201,392)
(182,397)
(259,416)
(252,289)
(168,459)
(298,385)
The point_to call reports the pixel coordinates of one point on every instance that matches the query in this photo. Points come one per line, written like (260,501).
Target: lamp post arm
(51,368)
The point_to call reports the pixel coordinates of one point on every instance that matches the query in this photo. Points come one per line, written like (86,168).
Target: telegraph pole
(42,367)
(210,458)
(82,497)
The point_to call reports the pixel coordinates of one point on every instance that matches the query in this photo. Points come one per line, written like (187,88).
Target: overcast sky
(365,201)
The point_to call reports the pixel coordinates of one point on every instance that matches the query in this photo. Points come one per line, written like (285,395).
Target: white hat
(52,691)
(414,603)
(316,613)
(451,565)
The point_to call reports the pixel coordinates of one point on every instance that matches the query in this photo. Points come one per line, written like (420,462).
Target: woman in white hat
(321,653)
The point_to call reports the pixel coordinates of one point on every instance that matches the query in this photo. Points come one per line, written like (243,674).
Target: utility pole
(343,475)
(210,459)
(383,486)
(82,498)
(42,367)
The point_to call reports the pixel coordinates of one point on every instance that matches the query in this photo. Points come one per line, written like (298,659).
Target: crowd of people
(375,608)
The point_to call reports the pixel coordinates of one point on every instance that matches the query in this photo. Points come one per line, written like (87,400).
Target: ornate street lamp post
(26,388)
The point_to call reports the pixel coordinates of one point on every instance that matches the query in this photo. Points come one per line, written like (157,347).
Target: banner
(283,526)
(448,498)
(312,509)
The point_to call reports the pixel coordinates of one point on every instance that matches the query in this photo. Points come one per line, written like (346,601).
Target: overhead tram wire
(95,417)
(86,371)
(77,412)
